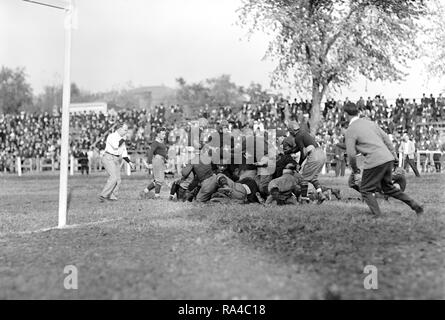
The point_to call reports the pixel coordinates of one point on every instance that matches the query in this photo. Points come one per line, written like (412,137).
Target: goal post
(63,188)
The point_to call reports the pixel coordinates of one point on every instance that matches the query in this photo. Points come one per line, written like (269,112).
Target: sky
(152,42)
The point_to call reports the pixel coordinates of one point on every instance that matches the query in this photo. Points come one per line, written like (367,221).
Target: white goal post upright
(63,188)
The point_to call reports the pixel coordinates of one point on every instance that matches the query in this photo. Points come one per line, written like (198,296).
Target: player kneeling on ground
(244,191)
(284,189)
(180,188)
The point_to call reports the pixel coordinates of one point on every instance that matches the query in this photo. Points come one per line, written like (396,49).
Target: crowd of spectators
(404,116)
(38,135)
(28,136)
(396,119)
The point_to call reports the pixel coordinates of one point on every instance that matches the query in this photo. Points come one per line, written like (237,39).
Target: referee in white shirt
(408,149)
(114,150)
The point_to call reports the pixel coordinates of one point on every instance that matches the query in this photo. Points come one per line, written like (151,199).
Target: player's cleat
(336,193)
(320,198)
(312,196)
(102,199)
(419,210)
(260,198)
(328,194)
(304,200)
(112,198)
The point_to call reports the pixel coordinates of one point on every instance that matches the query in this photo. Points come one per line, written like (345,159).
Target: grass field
(156,249)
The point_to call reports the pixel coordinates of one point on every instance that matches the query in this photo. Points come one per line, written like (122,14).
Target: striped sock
(304,188)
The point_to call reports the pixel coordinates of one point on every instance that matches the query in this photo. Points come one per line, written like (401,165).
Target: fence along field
(424,162)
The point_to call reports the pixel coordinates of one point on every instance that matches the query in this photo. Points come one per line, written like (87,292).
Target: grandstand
(34,139)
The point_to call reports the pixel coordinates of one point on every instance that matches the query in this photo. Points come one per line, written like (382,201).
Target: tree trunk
(314,121)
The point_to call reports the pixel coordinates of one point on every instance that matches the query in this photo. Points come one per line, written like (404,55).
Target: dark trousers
(381,177)
(85,168)
(174,188)
(411,163)
(179,191)
(438,166)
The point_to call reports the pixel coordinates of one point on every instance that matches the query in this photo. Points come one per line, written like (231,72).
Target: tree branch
(341,29)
